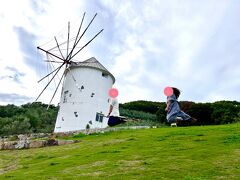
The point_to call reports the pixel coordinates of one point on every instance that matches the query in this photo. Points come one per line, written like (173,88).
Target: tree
(145,106)
(202,112)
(161,113)
(225,111)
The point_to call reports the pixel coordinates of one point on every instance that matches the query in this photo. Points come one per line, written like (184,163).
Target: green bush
(138,114)
(28,118)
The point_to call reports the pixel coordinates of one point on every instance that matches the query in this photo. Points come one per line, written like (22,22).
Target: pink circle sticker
(168,91)
(113,92)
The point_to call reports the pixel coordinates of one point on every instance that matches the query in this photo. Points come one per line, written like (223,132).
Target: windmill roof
(92,63)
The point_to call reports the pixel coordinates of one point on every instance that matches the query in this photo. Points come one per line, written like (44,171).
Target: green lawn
(204,152)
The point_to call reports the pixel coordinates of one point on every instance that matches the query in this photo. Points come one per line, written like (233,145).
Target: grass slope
(207,152)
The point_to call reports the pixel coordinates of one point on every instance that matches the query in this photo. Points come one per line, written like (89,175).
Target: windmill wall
(84,99)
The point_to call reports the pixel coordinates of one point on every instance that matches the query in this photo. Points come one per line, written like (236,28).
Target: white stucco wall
(79,106)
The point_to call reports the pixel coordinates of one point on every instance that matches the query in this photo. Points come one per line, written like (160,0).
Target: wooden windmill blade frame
(67,60)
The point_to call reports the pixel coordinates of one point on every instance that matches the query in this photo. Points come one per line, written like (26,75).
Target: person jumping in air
(174,113)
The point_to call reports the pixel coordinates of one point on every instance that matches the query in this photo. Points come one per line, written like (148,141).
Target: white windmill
(84,96)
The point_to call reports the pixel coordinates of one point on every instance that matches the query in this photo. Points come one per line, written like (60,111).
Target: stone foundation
(37,140)
(30,141)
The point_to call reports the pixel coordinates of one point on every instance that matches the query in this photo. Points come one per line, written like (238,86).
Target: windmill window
(104,75)
(99,117)
(76,114)
(82,87)
(65,96)
(87,126)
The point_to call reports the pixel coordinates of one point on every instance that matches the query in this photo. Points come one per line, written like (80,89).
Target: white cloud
(43,20)
(174,32)
(147,45)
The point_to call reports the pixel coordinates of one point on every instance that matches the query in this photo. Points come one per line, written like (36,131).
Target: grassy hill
(203,152)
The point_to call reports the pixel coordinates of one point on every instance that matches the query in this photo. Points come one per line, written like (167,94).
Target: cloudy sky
(146,44)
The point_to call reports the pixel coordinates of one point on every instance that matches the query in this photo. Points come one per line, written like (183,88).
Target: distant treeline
(221,112)
(35,118)
(28,118)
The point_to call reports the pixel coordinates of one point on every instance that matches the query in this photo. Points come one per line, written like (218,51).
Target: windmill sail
(70,53)
(85,84)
